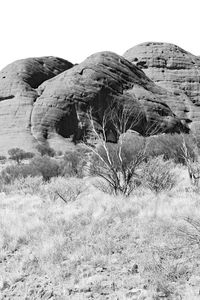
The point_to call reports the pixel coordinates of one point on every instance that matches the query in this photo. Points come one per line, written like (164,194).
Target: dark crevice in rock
(38,78)
(7,97)
(67,126)
(31,112)
(187,120)
(176,67)
(142,65)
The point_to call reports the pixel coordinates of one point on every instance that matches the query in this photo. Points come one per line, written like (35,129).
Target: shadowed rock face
(46,99)
(103,78)
(175,70)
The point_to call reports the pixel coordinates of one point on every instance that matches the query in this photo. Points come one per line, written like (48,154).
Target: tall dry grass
(101,242)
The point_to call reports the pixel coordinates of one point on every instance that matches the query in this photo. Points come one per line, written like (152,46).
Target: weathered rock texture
(175,70)
(61,110)
(18,84)
(36,106)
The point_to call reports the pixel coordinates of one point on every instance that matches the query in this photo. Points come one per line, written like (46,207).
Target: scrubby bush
(194,174)
(118,164)
(2,158)
(158,175)
(39,166)
(171,147)
(45,150)
(65,189)
(26,185)
(74,162)
(10,173)
(46,166)
(18,154)
(166,265)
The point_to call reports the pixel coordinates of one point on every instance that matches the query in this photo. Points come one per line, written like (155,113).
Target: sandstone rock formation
(18,84)
(46,100)
(60,112)
(175,70)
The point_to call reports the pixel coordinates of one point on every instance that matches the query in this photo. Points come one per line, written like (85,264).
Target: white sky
(74,29)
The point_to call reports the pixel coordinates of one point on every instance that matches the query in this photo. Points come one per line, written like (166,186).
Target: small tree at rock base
(46,166)
(18,154)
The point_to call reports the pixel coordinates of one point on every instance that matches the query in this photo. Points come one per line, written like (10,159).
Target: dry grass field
(93,245)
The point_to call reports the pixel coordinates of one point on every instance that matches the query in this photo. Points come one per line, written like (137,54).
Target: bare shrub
(65,189)
(191,230)
(118,167)
(164,267)
(117,164)
(10,173)
(158,175)
(28,185)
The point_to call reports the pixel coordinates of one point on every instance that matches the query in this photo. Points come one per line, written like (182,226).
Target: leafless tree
(117,163)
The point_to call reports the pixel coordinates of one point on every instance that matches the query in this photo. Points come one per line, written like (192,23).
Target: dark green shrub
(39,166)
(18,154)
(45,150)
(46,166)
(170,146)
(10,173)
(2,158)
(74,162)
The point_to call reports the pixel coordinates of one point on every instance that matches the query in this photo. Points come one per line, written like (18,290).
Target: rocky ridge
(18,92)
(60,112)
(175,70)
(46,100)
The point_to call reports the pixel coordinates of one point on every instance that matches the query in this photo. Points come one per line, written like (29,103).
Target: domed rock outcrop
(46,100)
(60,112)
(175,70)
(18,84)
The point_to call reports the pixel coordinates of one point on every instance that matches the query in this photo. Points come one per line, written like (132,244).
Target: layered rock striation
(46,100)
(18,93)
(175,70)
(60,112)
